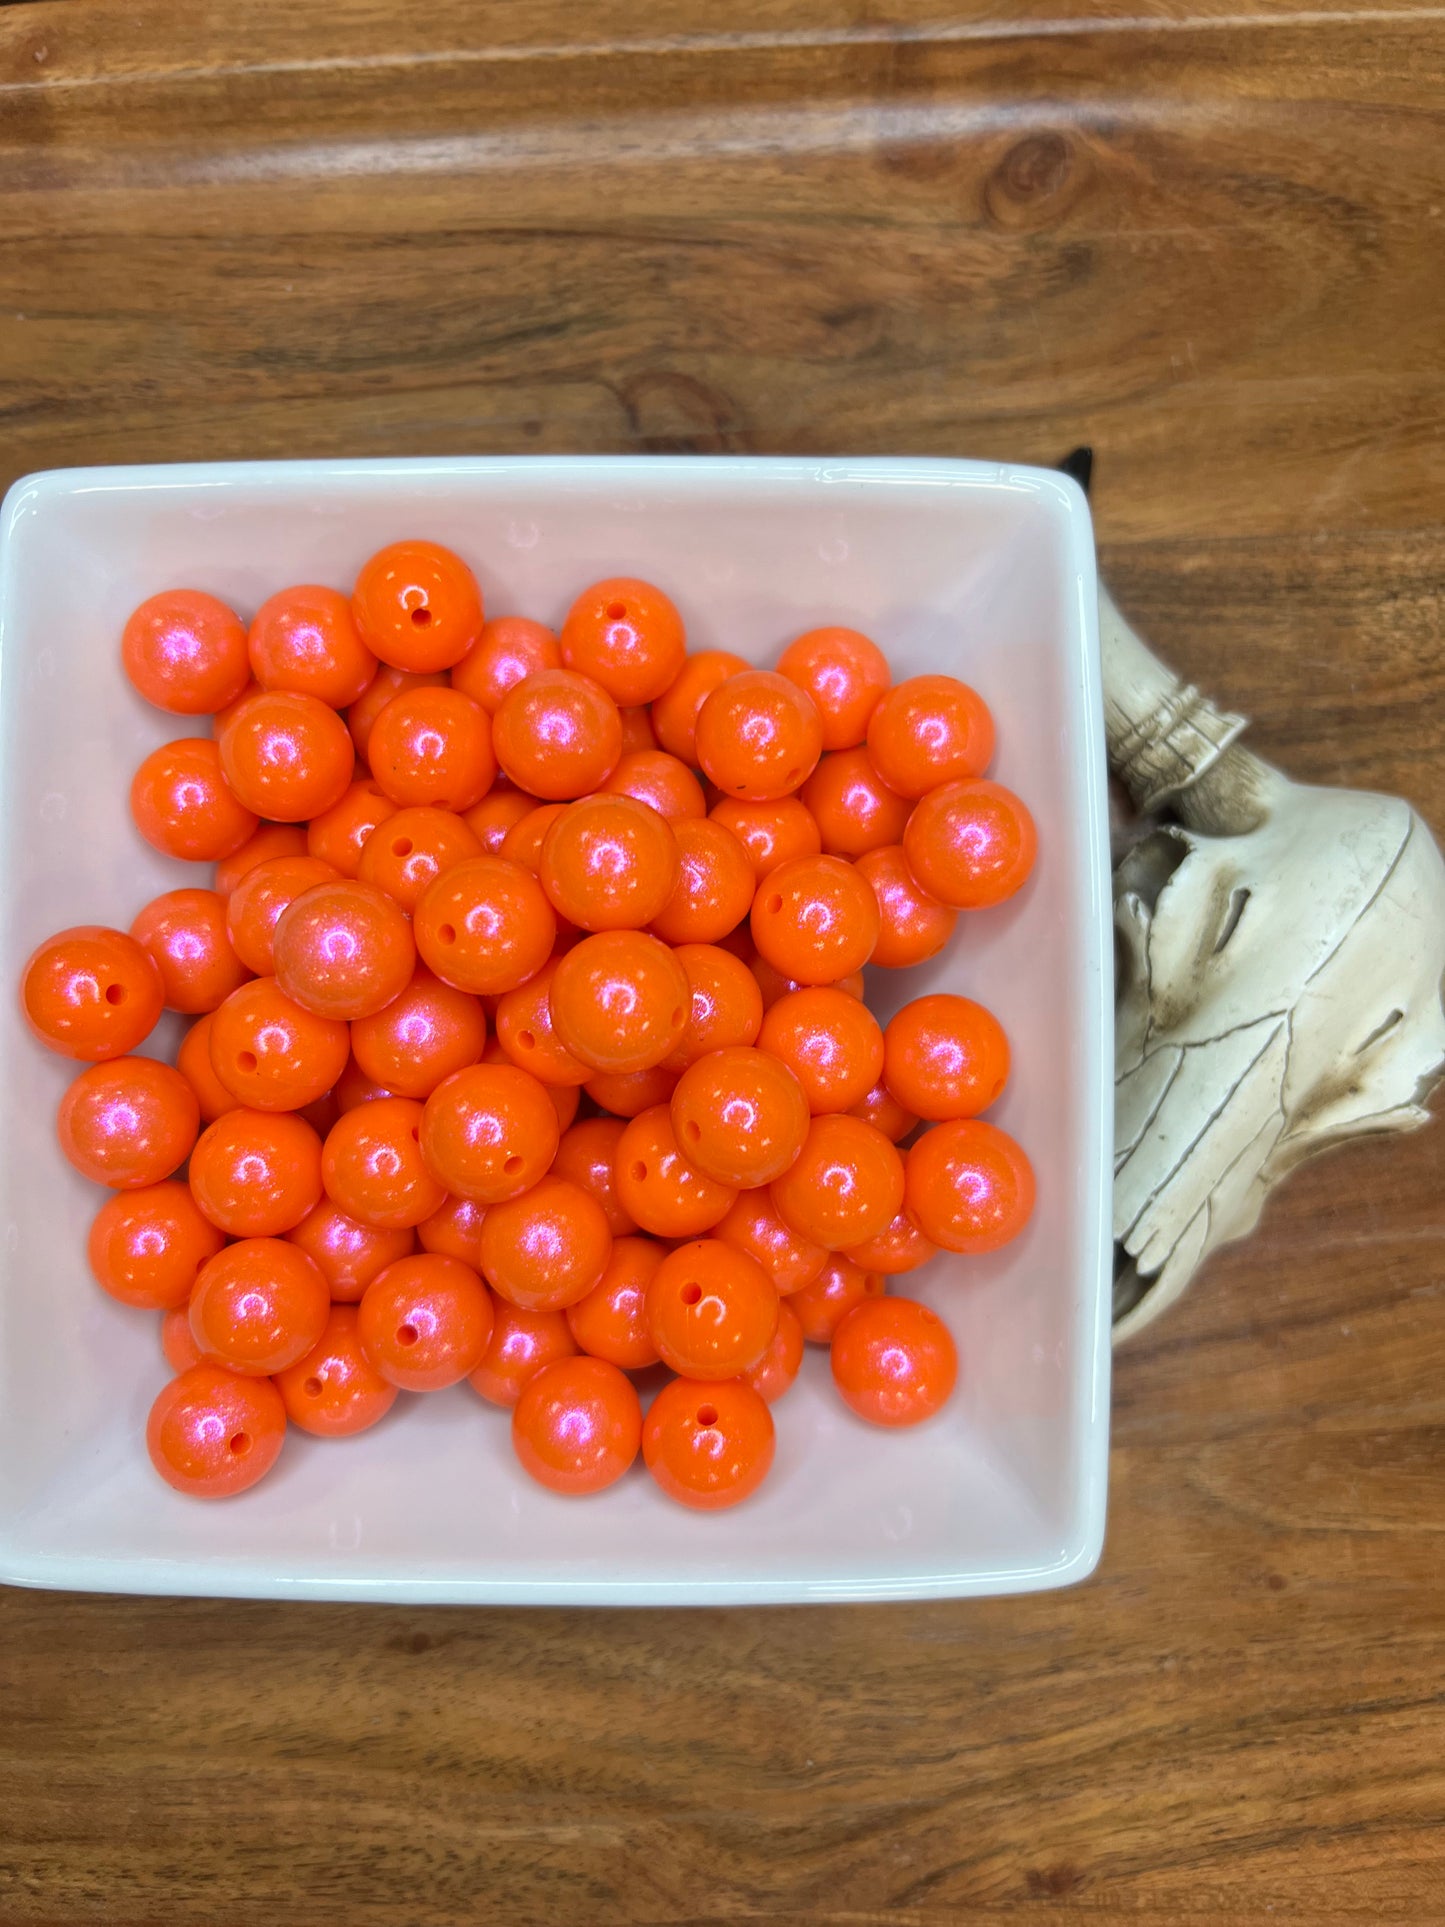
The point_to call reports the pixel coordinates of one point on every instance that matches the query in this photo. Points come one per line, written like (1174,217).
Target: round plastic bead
(611,1321)
(372,1165)
(637,730)
(557,735)
(899,1248)
(508,650)
(587,1157)
(577,1426)
(387,682)
(412,849)
(258,1306)
(193,1061)
(830,1041)
(489,1133)
(287,757)
(821,1306)
(945,1056)
(970,1187)
(845,1185)
(266,841)
(754,1227)
(425,1322)
(255,906)
(773,984)
(620,1001)
(815,920)
(183,805)
(128,1123)
(272,1054)
(348,1253)
(845,673)
(256,1174)
(780,1364)
(485,926)
(340,835)
(432,748)
(178,1347)
(626,635)
(894,1361)
(853,807)
(344,950)
(547,1248)
(759,736)
(522,1344)
(725,1005)
(498,813)
(929,730)
(335,1391)
(417,606)
(714,886)
(711,1311)
(629,1093)
(658,1188)
(879,1107)
(185,652)
(420,1037)
(771,833)
(609,863)
(708,1445)
(674,713)
(91,993)
(740,1116)
(523,842)
(145,1247)
(455,1231)
(660,781)
(305,639)
(527,1036)
(912,926)
(184,932)
(971,845)
(212,1433)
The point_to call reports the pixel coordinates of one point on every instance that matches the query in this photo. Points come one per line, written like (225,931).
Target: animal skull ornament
(1280,954)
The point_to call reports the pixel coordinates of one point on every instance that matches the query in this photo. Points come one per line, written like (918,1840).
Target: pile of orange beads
(472,876)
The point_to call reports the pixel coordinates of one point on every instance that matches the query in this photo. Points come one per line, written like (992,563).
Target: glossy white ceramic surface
(982,571)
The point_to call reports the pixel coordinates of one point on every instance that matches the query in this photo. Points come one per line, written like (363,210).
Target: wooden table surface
(1211,243)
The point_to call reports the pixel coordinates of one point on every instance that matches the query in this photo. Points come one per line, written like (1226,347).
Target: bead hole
(616,611)
(115,993)
(512,1165)
(246,1060)
(692,1131)
(240,1444)
(526,1040)
(446,934)
(707,1415)
(312,1388)
(403,846)
(406,1334)
(692,1294)
(637,1170)
(775,903)
(421,617)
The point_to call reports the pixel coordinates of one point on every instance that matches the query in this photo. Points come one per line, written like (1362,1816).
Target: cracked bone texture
(1280,954)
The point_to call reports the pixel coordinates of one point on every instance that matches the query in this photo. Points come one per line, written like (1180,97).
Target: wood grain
(1208,241)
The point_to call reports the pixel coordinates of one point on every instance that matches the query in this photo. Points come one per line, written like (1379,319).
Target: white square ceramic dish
(971,568)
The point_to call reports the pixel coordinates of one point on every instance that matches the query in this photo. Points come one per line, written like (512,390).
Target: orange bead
(433,747)
(771,833)
(564,1098)
(523,842)
(256,1174)
(372,1165)
(415,847)
(557,735)
(185,934)
(779,1365)
(272,1054)
(285,756)
(255,906)
(611,1321)
(637,731)
(971,845)
(387,682)
(711,1311)
(759,736)
(853,807)
(146,1247)
(178,1347)
(740,1116)
(525,1032)
(912,926)
(335,1391)
(970,1186)
(815,920)
(845,674)
(725,1004)
(183,805)
(268,840)
(91,993)
(773,984)
(425,1322)
(821,1306)
(945,1056)
(587,1157)
(620,1001)
(522,1344)
(845,1186)
(417,606)
(657,1187)
(193,1061)
(899,1248)
(630,1093)
(577,1426)
(455,1231)
(128,1123)
(344,950)
(354,1087)
(223,715)
(258,1306)
(929,730)
(660,781)
(348,1253)
(830,1041)
(339,835)
(708,1446)
(626,635)
(499,812)
(508,650)
(185,652)
(212,1433)
(753,1227)
(485,926)
(489,1133)
(894,1361)
(420,1037)
(547,1248)
(674,713)
(305,639)
(714,886)
(879,1107)
(608,863)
